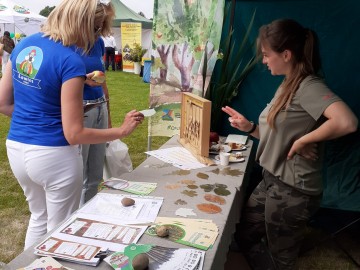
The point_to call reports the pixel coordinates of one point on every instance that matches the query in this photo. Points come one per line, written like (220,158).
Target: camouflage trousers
(278,214)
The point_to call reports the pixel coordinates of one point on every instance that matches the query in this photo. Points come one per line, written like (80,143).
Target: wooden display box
(195,124)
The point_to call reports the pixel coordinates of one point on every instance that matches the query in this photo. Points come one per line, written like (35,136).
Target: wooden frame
(195,125)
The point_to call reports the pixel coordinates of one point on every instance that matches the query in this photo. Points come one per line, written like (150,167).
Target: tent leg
(149,143)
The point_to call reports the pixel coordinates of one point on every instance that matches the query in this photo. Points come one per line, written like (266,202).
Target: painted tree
(184,26)
(163,51)
(183,61)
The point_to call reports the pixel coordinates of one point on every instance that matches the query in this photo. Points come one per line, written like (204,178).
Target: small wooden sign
(195,126)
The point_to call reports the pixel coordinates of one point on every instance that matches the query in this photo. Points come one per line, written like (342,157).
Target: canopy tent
(125,14)
(17,18)
(334,22)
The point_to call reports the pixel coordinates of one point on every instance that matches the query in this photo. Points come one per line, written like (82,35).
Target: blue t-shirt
(40,66)
(93,61)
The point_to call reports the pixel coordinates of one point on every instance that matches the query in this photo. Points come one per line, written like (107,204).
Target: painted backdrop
(185,33)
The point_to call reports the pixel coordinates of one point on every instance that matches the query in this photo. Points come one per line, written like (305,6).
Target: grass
(127,92)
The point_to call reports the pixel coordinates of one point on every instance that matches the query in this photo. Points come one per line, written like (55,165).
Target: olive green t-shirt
(303,115)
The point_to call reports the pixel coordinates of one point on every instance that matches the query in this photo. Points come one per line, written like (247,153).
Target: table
(155,170)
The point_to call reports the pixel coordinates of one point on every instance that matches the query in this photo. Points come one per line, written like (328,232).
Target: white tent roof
(19,19)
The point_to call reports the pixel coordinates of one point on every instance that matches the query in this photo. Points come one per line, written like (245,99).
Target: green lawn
(127,92)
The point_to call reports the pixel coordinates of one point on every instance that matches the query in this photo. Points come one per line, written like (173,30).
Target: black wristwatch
(252,128)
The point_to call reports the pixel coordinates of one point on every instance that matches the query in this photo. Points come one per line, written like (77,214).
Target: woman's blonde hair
(76,22)
(287,34)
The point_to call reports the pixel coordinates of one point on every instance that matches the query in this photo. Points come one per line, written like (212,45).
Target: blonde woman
(292,129)
(46,106)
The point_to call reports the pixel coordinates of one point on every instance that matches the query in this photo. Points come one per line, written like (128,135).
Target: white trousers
(51,178)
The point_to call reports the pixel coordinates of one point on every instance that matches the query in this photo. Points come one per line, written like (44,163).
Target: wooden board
(195,125)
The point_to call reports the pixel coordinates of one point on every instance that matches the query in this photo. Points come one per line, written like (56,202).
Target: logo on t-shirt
(28,63)
(328,96)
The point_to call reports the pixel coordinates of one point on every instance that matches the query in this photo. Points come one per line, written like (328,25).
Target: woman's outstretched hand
(131,121)
(237,120)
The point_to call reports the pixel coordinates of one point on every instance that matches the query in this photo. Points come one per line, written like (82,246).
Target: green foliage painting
(183,32)
(182,29)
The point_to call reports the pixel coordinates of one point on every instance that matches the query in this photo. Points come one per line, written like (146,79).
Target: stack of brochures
(101,225)
(69,251)
(160,258)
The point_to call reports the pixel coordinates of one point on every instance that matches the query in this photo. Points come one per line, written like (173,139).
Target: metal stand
(149,143)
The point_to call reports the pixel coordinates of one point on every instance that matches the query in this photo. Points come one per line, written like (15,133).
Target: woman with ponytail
(292,129)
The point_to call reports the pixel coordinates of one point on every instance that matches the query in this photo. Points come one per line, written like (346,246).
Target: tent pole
(149,143)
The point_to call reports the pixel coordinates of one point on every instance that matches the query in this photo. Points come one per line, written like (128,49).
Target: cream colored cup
(224,158)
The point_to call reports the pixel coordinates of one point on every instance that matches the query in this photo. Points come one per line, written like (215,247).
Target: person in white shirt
(110,46)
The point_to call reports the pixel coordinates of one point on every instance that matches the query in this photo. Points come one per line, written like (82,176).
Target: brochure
(160,258)
(139,188)
(69,251)
(199,233)
(145,209)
